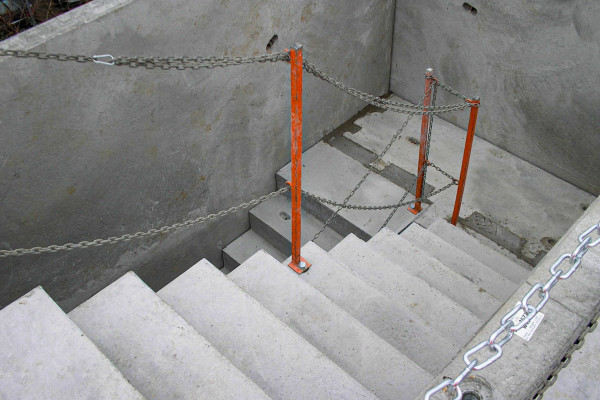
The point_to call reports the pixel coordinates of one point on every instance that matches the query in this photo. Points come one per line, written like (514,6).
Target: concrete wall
(534,64)
(91,151)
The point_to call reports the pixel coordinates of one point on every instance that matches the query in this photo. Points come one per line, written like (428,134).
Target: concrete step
(245,246)
(448,317)
(393,322)
(281,362)
(272,220)
(329,173)
(157,351)
(420,264)
(44,355)
(491,281)
(467,243)
(365,356)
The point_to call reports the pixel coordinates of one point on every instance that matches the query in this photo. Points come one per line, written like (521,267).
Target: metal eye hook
(98,59)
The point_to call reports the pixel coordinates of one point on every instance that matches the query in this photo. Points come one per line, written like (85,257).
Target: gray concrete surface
(448,317)
(398,325)
(530,63)
(365,356)
(492,281)
(272,220)
(44,355)
(330,173)
(462,240)
(157,351)
(244,247)
(524,199)
(280,361)
(420,264)
(93,151)
(573,303)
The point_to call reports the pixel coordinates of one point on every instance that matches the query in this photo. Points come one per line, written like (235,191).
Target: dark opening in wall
(470,8)
(272,43)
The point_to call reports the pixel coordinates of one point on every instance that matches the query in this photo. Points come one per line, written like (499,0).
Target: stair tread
(365,356)
(420,264)
(155,348)
(281,362)
(244,247)
(267,220)
(470,245)
(492,281)
(330,173)
(398,325)
(448,317)
(44,355)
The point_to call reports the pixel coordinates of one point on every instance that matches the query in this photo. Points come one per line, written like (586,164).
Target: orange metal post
(416,208)
(466,157)
(298,264)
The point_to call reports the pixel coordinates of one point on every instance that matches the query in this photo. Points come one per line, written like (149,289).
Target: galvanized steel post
(466,157)
(298,263)
(416,208)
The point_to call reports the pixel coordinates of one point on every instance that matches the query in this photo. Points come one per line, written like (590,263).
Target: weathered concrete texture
(157,351)
(530,62)
(368,358)
(94,151)
(524,199)
(280,361)
(43,355)
(244,247)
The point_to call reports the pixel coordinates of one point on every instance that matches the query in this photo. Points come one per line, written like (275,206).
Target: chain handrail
(499,338)
(130,236)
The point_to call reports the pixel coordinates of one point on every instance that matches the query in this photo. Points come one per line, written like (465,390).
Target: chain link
(508,327)
(164,63)
(130,236)
(395,106)
(451,90)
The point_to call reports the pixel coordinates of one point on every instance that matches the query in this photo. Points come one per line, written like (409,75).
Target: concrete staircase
(369,320)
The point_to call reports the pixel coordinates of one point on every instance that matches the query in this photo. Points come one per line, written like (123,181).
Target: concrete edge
(61,24)
(566,244)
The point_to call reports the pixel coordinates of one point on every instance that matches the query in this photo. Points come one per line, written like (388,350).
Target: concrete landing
(281,362)
(157,350)
(329,173)
(526,200)
(44,355)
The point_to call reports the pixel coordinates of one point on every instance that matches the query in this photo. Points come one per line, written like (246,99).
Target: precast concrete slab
(393,322)
(245,246)
(490,280)
(156,349)
(470,245)
(391,278)
(272,220)
(44,355)
(418,263)
(330,173)
(521,197)
(372,361)
(275,357)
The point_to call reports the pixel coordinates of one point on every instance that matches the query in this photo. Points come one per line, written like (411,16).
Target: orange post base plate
(297,269)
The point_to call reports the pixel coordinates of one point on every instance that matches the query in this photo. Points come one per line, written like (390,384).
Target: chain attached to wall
(499,338)
(152,232)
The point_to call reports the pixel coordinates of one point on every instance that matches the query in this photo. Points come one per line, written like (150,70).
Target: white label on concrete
(528,330)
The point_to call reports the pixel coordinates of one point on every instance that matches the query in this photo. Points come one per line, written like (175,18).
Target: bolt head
(302,265)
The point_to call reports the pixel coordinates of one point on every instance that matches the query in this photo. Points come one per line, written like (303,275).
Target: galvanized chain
(393,212)
(366,175)
(395,106)
(164,63)
(507,328)
(553,376)
(375,208)
(139,235)
(451,90)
